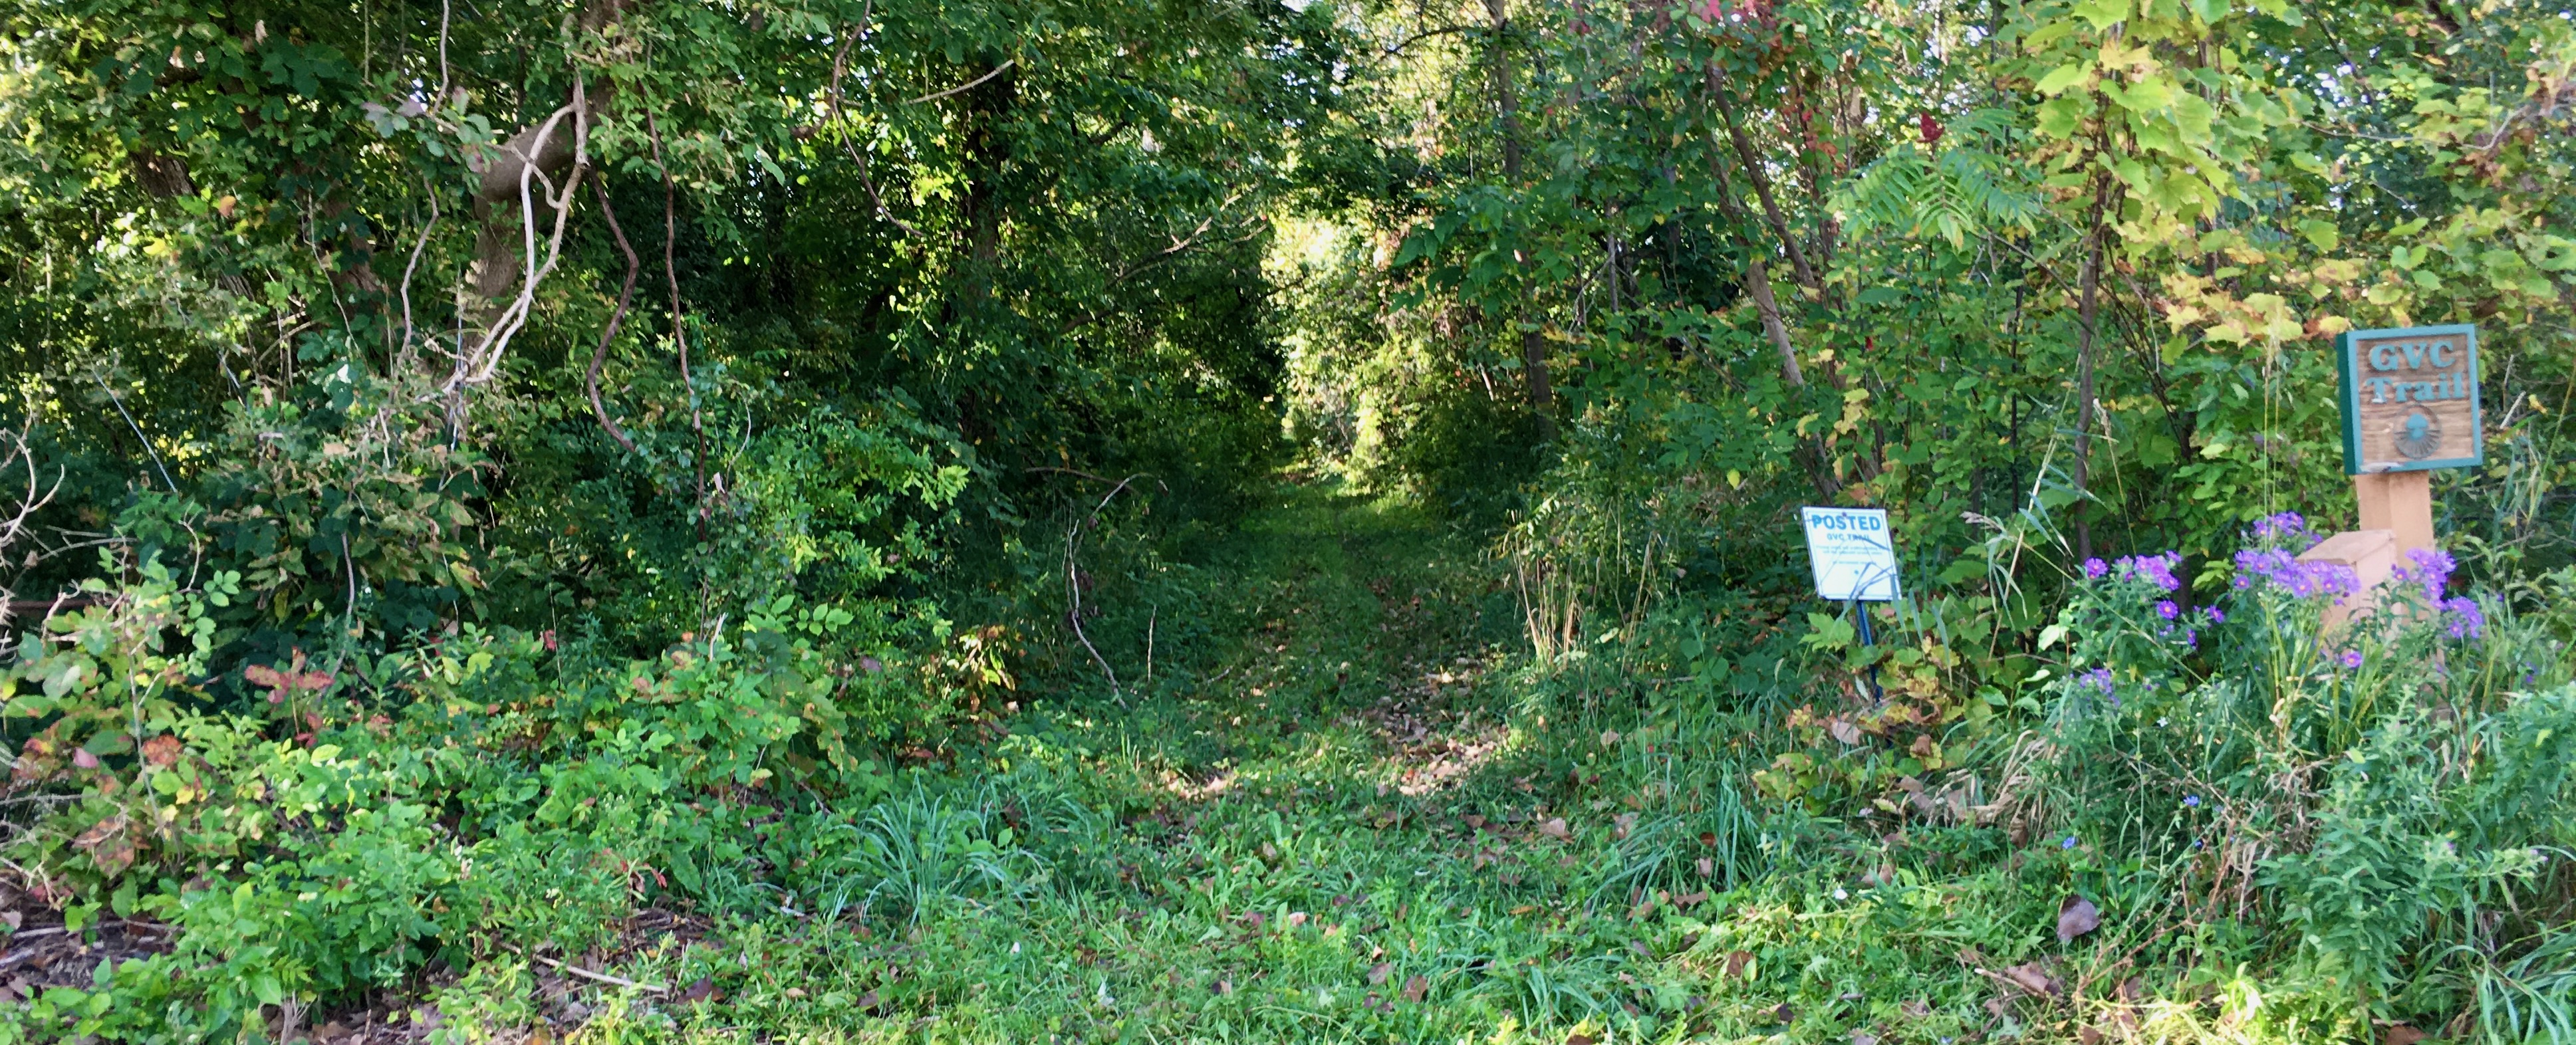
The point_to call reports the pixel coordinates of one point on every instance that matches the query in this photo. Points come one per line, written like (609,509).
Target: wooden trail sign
(2410,399)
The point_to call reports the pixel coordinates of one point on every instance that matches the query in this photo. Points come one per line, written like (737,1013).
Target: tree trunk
(2086,314)
(1542,391)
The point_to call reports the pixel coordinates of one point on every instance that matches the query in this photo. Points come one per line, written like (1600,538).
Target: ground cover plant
(630,520)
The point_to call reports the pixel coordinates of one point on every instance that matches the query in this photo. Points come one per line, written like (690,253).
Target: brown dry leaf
(1915,1008)
(1378,973)
(1782,1013)
(1843,730)
(1580,1038)
(2088,1035)
(867,1001)
(705,989)
(1737,962)
(107,845)
(2075,917)
(2400,1034)
(161,750)
(1999,1006)
(1554,827)
(1255,919)
(1523,909)
(1686,901)
(1296,919)
(1862,1037)
(2133,989)
(1707,867)
(2032,977)
(1622,824)
(1609,737)
(795,992)
(1415,987)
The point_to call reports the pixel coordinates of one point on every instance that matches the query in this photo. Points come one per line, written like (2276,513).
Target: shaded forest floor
(1369,822)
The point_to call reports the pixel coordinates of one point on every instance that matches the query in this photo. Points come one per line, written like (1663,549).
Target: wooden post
(2400,503)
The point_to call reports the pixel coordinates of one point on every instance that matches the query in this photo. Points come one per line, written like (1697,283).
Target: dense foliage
(508,490)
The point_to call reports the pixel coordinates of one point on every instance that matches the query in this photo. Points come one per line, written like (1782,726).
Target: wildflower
(2095,570)
(2215,615)
(2463,617)
(2303,580)
(2167,610)
(1842,894)
(2069,843)
(2154,569)
(2430,567)
(2191,801)
(2098,678)
(2287,530)
(2351,659)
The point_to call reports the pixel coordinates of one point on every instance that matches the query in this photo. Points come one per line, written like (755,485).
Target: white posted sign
(1853,553)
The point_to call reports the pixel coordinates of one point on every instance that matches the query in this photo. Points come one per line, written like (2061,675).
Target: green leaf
(2063,77)
(2320,233)
(2103,13)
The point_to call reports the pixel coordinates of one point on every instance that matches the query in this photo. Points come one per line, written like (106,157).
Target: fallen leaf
(795,992)
(1915,1008)
(2075,917)
(2132,989)
(1622,824)
(1378,973)
(2400,1034)
(1580,1038)
(1843,730)
(1782,1013)
(1737,962)
(1707,867)
(1999,1006)
(1523,909)
(2032,977)
(705,989)
(1686,901)
(2088,1035)
(1296,918)
(867,1001)
(1415,987)
(1609,737)
(1862,1037)
(1555,828)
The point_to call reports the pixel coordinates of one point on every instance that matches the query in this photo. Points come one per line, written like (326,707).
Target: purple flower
(2303,580)
(2098,678)
(2351,659)
(2191,801)
(2095,570)
(2069,843)
(2154,569)
(2214,614)
(2430,567)
(2463,617)
(2285,530)
(2167,610)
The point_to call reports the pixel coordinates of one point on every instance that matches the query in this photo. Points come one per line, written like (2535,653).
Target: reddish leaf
(1415,987)
(161,750)
(1737,962)
(2400,1034)
(2075,917)
(703,990)
(2088,1035)
(1378,973)
(1580,1038)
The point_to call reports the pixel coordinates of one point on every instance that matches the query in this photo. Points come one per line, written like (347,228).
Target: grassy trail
(1359,826)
